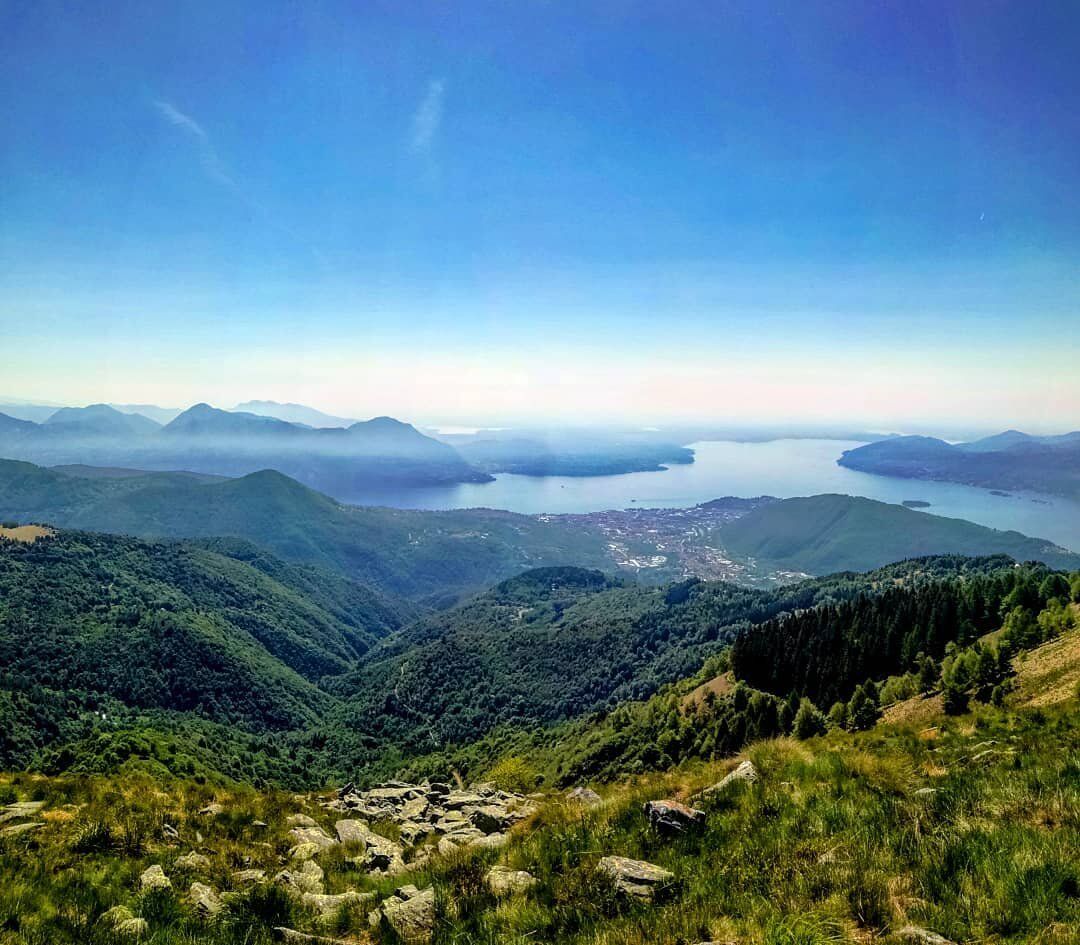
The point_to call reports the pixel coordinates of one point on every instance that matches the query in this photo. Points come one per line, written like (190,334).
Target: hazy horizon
(618,213)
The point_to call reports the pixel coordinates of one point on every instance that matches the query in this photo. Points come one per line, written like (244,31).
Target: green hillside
(92,625)
(431,556)
(822,534)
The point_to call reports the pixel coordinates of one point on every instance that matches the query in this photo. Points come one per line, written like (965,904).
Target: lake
(783,468)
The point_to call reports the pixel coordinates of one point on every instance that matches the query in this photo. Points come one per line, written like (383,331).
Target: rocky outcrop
(480,816)
(669,817)
(20,810)
(635,877)
(307,878)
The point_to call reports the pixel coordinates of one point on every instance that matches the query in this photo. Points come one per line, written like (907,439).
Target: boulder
(20,810)
(415,809)
(122,921)
(205,900)
(327,905)
(192,861)
(308,878)
(212,810)
(635,877)
(490,818)
(456,800)
(153,877)
(304,851)
(503,881)
(584,796)
(669,817)
(315,835)
(301,820)
(411,914)
(249,877)
(352,831)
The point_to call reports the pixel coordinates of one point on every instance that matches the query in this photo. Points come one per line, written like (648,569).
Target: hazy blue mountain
(823,534)
(35,413)
(293,413)
(158,414)
(379,453)
(1007,461)
(99,420)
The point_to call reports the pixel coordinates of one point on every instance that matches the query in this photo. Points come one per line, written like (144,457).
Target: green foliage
(809,720)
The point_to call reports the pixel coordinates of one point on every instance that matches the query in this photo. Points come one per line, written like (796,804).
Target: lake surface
(783,468)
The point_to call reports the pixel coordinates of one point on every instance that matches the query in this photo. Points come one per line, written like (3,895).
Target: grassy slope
(833,844)
(826,533)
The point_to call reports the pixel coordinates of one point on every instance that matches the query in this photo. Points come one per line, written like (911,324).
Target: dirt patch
(718,686)
(27,534)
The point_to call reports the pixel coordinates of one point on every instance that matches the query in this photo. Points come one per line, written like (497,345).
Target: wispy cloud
(208,156)
(428,116)
(214,168)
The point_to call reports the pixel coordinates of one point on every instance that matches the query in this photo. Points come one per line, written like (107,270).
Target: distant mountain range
(1007,461)
(339,460)
(293,413)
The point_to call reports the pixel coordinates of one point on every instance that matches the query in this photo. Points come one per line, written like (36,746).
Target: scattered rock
(305,938)
(308,878)
(918,936)
(192,861)
(123,922)
(925,792)
(327,905)
(315,835)
(16,830)
(304,851)
(503,881)
(20,810)
(301,820)
(490,818)
(249,877)
(635,877)
(170,832)
(670,817)
(584,796)
(212,810)
(205,900)
(744,772)
(153,877)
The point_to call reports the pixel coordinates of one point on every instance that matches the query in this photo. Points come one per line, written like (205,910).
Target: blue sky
(491,211)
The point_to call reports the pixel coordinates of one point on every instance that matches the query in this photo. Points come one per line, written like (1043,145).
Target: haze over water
(783,468)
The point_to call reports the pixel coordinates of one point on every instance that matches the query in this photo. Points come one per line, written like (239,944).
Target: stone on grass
(919,936)
(192,861)
(205,900)
(248,877)
(503,881)
(121,920)
(744,772)
(635,877)
(584,796)
(315,835)
(153,877)
(669,817)
(17,830)
(327,905)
